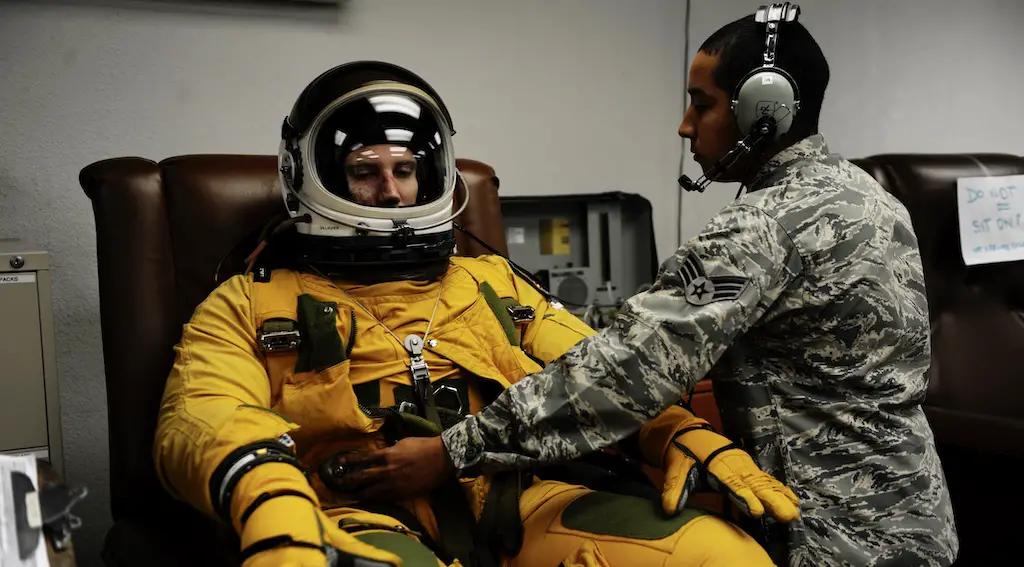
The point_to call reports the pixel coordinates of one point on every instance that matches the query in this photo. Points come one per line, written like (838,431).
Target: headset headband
(771,16)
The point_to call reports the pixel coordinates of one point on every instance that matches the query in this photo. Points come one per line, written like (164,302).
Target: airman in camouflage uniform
(804,302)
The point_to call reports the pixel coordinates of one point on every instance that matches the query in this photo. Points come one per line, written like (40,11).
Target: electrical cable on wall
(686,104)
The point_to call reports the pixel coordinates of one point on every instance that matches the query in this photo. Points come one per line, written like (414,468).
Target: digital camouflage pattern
(804,301)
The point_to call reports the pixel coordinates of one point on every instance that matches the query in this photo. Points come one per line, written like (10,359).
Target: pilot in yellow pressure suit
(367,330)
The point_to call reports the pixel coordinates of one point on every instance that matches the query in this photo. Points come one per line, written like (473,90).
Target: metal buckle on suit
(278,335)
(407,407)
(443,393)
(521,313)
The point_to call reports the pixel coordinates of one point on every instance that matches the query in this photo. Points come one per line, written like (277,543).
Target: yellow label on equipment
(554,237)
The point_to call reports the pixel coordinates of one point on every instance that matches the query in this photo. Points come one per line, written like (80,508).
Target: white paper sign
(991,218)
(10,554)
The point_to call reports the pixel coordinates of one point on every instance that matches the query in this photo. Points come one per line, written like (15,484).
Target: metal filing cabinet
(29,403)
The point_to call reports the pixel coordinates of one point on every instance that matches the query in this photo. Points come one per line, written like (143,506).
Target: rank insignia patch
(701,290)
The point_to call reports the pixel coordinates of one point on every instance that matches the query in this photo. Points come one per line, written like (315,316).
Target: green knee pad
(603,513)
(412,552)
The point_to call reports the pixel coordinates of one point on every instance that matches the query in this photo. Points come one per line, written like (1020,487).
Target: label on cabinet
(17,278)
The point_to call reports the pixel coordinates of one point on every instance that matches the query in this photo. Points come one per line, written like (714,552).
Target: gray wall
(561,96)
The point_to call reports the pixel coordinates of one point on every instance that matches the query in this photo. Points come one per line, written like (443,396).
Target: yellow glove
(679,440)
(280,523)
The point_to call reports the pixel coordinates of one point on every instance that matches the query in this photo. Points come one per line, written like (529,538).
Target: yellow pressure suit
(224,393)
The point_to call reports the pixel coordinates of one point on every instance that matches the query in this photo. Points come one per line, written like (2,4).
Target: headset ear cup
(767,91)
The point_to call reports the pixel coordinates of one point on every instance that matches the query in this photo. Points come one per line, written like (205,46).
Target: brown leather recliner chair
(975,400)
(162,229)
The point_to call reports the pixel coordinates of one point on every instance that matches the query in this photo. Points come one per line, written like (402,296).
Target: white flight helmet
(368,174)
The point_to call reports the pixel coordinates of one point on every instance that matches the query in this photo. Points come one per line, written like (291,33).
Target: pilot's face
(382,175)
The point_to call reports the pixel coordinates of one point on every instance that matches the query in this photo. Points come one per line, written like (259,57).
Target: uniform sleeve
(216,397)
(664,340)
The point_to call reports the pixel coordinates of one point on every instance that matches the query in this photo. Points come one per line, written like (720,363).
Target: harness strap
(500,529)
(456,522)
(501,312)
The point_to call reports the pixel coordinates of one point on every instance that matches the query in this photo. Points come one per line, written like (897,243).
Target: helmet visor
(383,149)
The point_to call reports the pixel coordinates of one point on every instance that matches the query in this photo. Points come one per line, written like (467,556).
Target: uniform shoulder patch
(701,289)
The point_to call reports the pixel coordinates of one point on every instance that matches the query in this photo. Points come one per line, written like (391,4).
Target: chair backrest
(976,388)
(975,400)
(161,231)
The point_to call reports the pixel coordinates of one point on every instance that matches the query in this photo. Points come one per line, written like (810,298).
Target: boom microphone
(762,129)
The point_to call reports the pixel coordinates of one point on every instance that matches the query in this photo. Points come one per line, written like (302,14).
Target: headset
(765,101)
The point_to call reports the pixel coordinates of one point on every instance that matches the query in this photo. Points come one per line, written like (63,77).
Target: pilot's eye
(405,170)
(363,171)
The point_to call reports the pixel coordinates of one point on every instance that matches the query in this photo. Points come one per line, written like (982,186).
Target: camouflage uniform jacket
(804,302)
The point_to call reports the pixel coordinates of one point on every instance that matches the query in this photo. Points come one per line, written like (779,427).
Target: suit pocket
(324,403)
